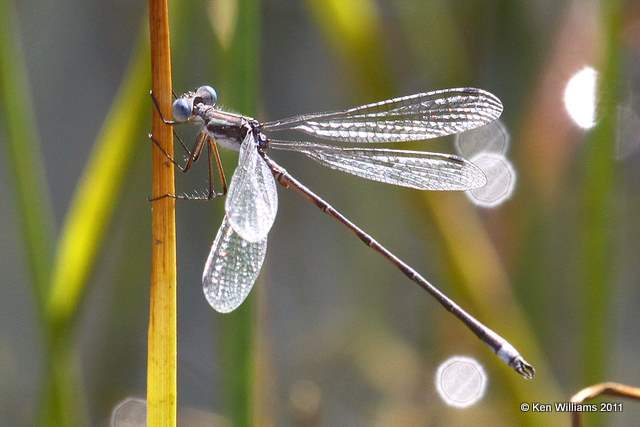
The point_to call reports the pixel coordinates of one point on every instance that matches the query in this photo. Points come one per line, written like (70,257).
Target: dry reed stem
(162,339)
(602,389)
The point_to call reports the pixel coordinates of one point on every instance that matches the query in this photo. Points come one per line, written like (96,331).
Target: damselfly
(239,248)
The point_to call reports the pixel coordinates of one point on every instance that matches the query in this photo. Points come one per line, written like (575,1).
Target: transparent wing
(409,118)
(231,268)
(252,200)
(414,169)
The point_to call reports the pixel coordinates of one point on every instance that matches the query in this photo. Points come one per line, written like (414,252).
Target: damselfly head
(182,109)
(207,95)
(183,106)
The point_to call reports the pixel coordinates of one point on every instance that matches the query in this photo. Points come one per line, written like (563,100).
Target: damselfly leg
(223,178)
(157,107)
(169,123)
(192,156)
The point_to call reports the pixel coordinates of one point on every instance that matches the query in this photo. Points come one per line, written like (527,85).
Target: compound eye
(207,95)
(181,110)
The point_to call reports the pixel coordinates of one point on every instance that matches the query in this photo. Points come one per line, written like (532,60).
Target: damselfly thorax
(226,128)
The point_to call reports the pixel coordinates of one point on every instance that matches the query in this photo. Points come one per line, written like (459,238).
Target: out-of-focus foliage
(24,157)
(85,227)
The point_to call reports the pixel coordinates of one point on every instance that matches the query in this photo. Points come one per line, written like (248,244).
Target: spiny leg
(211,192)
(157,106)
(184,168)
(223,178)
(211,149)
(188,161)
(192,156)
(197,150)
(170,123)
(167,155)
(182,144)
(183,196)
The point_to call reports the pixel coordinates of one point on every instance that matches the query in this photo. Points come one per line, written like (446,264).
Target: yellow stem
(162,339)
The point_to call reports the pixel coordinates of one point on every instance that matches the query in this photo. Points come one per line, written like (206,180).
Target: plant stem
(94,202)
(597,202)
(24,160)
(82,236)
(240,90)
(60,406)
(162,336)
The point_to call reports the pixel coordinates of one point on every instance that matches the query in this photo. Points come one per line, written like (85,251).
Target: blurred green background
(337,336)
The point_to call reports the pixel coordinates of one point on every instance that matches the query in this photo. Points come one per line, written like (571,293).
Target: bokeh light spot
(627,132)
(131,412)
(460,381)
(491,138)
(501,180)
(580,97)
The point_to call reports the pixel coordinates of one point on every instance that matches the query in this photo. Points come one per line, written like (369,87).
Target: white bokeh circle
(501,180)
(130,412)
(490,138)
(461,381)
(580,97)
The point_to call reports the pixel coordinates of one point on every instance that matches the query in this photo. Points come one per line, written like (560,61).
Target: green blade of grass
(240,62)
(241,58)
(598,190)
(82,236)
(95,200)
(24,159)
(351,29)
(61,397)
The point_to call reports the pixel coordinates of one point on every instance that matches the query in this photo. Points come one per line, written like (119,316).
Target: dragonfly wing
(231,268)
(252,201)
(408,118)
(414,169)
